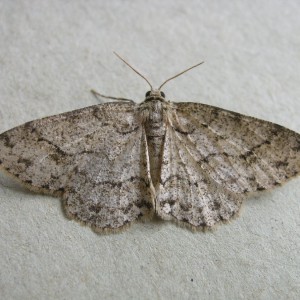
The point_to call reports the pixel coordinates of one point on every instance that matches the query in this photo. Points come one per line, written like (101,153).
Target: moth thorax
(154,118)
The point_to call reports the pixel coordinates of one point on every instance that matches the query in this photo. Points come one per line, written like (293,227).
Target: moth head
(155,94)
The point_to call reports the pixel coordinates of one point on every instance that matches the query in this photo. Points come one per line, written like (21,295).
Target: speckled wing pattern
(186,191)
(95,158)
(213,157)
(115,163)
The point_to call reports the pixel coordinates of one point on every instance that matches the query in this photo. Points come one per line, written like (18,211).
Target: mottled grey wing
(241,153)
(212,157)
(95,157)
(186,192)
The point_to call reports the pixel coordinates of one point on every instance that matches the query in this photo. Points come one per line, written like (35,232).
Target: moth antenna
(133,69)
(180,74)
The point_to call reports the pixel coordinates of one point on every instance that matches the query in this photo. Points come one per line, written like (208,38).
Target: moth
(120,161)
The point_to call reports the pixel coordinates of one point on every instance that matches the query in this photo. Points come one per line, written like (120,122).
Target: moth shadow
(10,182)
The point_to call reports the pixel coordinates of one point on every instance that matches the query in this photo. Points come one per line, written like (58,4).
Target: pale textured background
(53,52)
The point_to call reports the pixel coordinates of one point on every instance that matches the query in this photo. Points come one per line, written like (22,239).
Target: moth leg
(96,94)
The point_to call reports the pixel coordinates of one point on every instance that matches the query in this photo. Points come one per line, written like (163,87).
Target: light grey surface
(53,52)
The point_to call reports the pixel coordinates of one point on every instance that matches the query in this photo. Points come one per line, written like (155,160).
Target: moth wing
(186,193)
(241,153)
(95,157)
(212,157)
